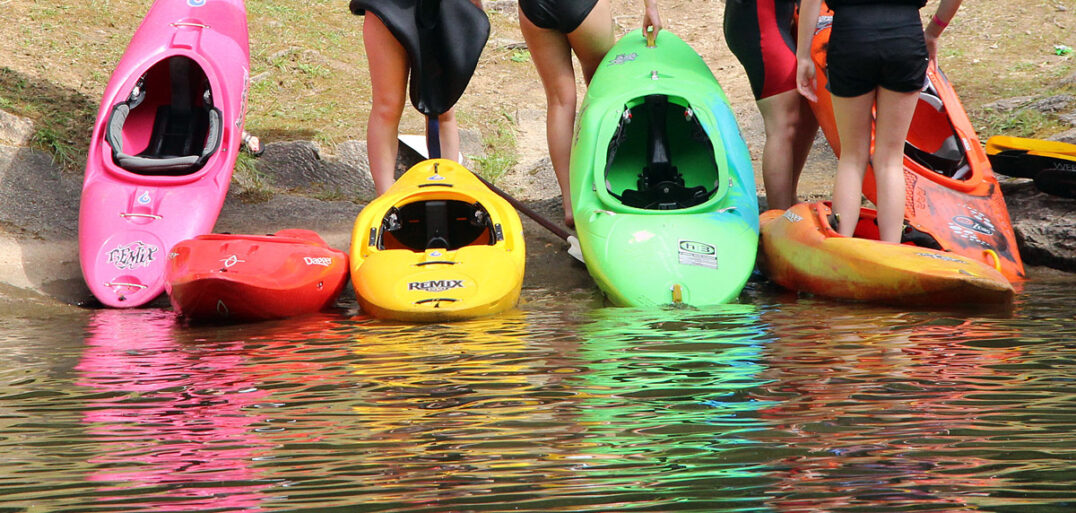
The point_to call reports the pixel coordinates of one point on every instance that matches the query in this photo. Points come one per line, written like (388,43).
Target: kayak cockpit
(168,124)
(442,224)
(934,143)
(661,157)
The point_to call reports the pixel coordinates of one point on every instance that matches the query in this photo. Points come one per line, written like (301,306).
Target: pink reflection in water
(174,419)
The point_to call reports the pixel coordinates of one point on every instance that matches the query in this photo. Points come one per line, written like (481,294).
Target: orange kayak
(952,193)
(801,252)
(254,277)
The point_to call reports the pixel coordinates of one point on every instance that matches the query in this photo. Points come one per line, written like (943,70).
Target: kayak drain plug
(677,294)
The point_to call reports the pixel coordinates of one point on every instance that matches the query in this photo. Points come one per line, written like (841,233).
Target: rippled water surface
(776,404)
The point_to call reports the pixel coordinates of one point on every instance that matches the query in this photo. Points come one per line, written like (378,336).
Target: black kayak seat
(184,134)
(437,224)
(660,186)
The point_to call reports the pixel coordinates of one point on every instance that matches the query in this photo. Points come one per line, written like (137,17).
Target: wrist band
(939,22)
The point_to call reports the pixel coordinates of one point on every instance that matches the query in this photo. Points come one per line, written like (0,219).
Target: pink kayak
(164,145)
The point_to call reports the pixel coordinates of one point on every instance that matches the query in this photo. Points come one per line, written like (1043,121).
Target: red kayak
(254,277)
(952,194)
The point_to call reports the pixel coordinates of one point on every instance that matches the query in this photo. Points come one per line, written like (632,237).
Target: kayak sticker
(144,199)
(946,258)
(973,227)
(322,261)
(232,260)
(133,255)
(698,253)
(196,3)
(792,216)
(623,58)
(435,285)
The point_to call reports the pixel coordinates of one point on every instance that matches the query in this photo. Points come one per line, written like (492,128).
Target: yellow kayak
(438,245)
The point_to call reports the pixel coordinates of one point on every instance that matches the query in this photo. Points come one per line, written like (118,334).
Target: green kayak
(662,186)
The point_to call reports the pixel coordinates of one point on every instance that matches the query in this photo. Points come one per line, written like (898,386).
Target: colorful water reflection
(172,416)
(878,412)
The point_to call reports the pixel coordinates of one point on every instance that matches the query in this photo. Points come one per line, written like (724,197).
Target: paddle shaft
(433,147)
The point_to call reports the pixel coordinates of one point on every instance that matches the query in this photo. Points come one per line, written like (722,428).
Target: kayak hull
(164,145)
(663,190)
(801,252)
(220,277)
(437,246)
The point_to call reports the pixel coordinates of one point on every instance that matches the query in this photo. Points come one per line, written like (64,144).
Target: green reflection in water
(667,404)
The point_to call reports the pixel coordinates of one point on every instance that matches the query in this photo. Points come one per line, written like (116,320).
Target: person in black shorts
(761,34)
(877,58)
(553,30)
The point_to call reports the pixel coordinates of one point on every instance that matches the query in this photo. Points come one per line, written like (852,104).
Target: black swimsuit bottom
(564,16)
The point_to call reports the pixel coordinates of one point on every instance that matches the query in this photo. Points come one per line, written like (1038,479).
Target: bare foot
(253,144)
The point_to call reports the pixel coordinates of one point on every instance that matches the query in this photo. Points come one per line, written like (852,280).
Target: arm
(651,19)
(946,10)
(805,70)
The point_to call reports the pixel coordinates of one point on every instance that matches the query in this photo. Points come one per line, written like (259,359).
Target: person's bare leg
(449,134)
(389,67)
(785,151)
(593,38)
(853,119)
(552,57)
(895,111)
(806,129)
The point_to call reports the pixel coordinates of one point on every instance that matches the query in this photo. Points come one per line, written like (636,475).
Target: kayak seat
(436,224)
(660,185)
(932,142)
(186,128)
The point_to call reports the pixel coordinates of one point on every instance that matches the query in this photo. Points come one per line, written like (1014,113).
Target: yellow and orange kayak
(952,193)
(802,252)
(438,245)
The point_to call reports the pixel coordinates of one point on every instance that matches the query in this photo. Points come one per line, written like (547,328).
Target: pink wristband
(939,22)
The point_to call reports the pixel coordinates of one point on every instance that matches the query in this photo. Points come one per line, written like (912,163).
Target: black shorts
(564,16)
(874,46)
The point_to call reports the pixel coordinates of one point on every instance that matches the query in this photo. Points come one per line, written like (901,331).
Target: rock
(1069,118)
(15,130)
(37,200)
(1048,104)
(1051,103)
(505,6)
(297,166)
(1068,136)
(1044,225)
(1008,104)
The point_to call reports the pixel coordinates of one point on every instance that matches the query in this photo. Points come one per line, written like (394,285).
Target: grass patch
(256,186)
(63,151)
(63,119)
(500,147)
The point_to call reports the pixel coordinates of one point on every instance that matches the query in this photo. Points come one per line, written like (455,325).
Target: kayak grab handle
(135,214)
(993,256)
(189,24)
(125,284)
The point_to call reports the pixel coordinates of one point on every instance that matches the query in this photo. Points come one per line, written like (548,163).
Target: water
(777,404)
